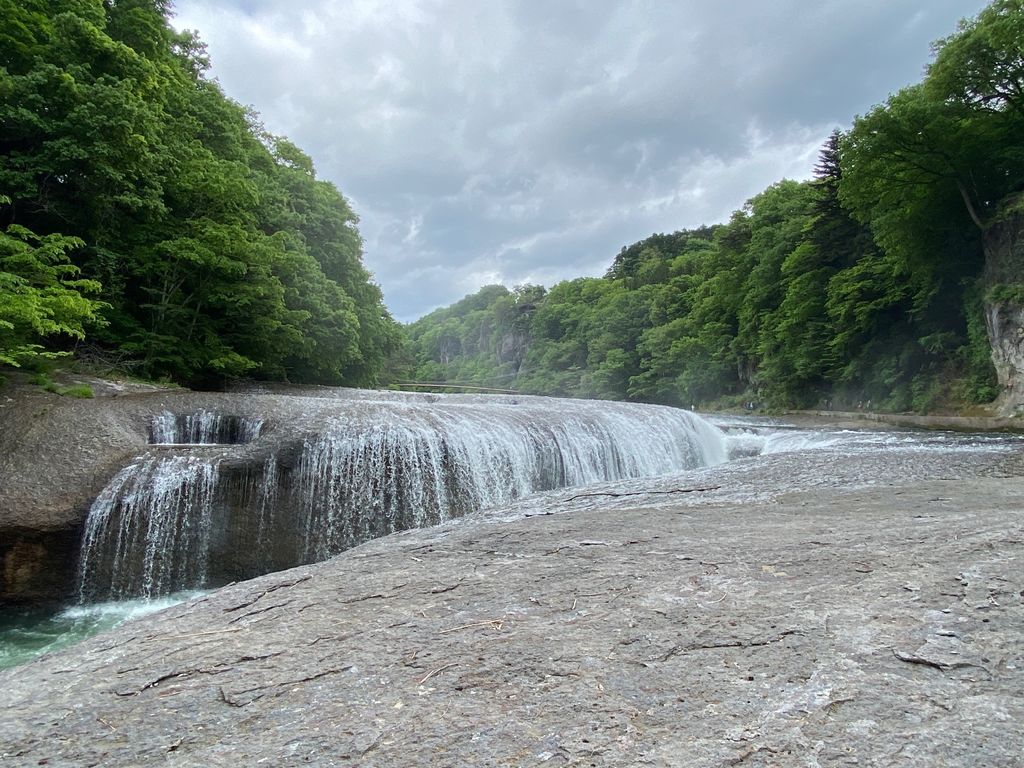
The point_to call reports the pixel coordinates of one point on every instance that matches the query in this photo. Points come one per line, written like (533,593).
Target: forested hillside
(871,282)
(144,212)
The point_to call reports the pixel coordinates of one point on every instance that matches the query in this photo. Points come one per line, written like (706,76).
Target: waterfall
(148,532)
(202,428)
(222,498)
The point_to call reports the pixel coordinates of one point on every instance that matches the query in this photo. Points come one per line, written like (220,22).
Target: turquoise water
(27,633)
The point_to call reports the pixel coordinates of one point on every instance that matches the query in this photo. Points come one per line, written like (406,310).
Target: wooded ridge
(147,215)
(145,211)
(893,277)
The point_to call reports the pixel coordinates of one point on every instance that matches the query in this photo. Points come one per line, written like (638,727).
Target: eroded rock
(844,624)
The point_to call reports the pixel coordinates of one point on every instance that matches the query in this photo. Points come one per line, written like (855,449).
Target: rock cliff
(1004,306)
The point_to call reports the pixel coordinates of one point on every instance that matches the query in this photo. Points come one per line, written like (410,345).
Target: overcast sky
(504,141)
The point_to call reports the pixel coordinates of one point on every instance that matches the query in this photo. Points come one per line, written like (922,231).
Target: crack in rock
(239,699)
(216,669)
(267,591)
(261,610)
(677,650)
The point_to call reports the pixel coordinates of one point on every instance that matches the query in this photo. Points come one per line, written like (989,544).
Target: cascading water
(345,472)
(203,428)
(148,532)
(420,466)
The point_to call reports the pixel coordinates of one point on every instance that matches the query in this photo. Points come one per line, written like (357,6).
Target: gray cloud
(520,141)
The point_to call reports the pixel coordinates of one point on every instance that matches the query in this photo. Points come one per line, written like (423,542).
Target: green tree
(937,172)
(218,250)
(41,295)
(982,64)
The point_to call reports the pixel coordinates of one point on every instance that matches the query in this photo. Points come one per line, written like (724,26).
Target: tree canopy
(867,283)
(171,225)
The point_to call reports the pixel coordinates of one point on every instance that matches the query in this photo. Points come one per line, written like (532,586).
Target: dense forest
(147,218)
(871,282)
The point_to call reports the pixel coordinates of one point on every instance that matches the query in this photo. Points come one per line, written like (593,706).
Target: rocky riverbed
(836,607)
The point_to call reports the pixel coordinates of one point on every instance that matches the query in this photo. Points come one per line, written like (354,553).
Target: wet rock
(197,489)
(34,564)
(665,630)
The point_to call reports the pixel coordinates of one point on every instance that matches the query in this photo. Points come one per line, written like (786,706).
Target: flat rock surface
(876,621)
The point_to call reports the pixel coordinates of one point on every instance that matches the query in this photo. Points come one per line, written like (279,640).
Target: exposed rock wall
(1005,323)
(1004,305)
(37,566)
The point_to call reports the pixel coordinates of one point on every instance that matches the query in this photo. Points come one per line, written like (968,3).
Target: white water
(148,532)
(181,518)
(420,466)
(749,437)
(203,428)
(27,634)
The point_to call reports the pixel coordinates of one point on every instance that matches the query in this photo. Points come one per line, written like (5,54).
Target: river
(763,459)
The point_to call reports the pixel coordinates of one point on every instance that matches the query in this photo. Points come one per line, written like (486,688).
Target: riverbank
(871,419)
(798,611)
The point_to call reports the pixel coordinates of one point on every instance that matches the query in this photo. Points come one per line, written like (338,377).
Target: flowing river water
(160,530)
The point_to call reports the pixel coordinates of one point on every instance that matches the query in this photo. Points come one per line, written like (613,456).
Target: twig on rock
(496,623)
(433,672)
(644,493)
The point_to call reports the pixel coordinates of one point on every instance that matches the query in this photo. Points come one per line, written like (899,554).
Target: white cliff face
(1005,323)
(1004,319)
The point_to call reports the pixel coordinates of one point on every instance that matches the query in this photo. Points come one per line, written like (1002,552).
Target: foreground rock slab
(870,626)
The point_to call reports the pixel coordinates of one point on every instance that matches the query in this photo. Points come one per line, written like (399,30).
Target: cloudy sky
(512,141)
